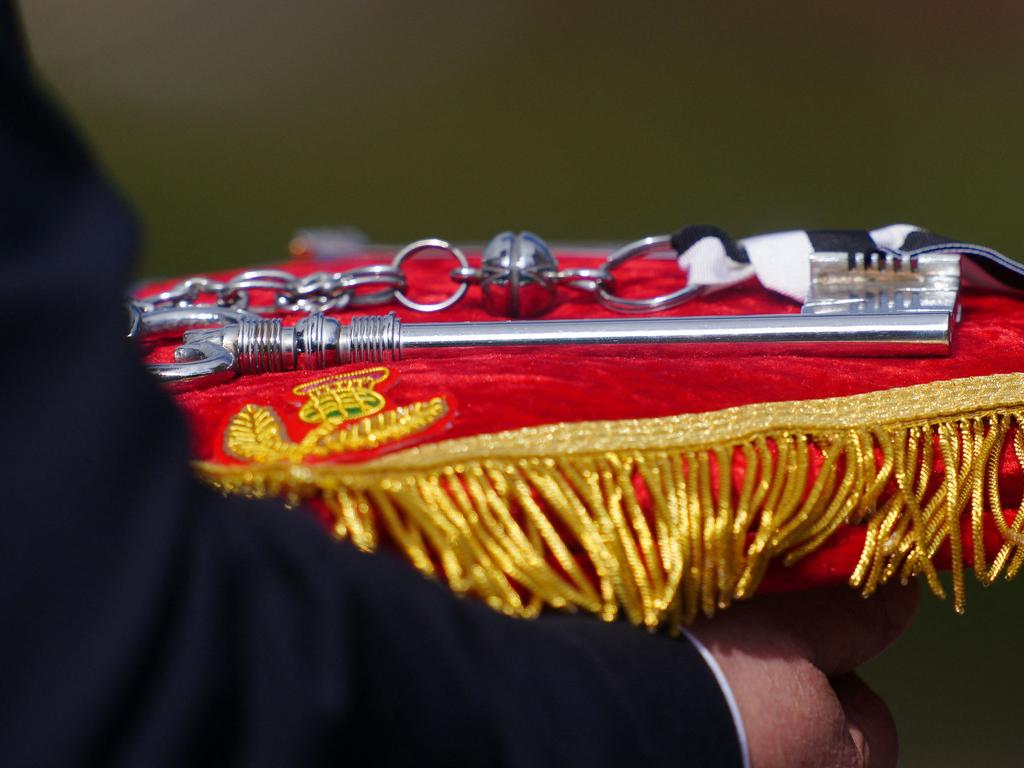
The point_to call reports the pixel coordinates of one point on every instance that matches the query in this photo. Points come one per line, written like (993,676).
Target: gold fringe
(645,516)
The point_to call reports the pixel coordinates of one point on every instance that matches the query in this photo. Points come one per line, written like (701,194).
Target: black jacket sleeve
(147,621)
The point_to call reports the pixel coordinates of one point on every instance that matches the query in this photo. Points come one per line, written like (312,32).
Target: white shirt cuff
(730,700)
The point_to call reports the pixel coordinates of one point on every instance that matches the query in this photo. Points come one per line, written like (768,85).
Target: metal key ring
(422,245)
(634,250)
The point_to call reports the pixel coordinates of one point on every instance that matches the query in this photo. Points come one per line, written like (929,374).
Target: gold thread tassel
(662,519)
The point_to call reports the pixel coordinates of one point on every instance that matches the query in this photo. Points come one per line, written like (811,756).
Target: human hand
(790,662)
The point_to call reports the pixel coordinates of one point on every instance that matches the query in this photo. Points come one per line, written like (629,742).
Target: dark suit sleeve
(146,621)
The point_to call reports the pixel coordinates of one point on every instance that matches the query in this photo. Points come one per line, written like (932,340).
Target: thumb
(836,629)
(840,630)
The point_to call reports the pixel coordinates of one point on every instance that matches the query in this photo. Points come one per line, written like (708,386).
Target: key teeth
(374,339)
(882,261)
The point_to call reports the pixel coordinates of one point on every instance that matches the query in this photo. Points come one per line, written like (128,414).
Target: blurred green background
(231,124)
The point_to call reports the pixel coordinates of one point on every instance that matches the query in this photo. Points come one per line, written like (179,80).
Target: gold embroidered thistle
(347,413)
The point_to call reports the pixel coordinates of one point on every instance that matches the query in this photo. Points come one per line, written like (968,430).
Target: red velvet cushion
(504,389)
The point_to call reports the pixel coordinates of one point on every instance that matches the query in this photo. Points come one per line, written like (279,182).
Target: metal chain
(379,284)
(316,292)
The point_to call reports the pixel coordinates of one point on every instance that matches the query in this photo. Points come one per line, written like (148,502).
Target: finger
(837,629)
(869,721)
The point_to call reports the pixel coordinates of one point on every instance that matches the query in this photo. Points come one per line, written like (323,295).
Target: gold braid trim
(643,516)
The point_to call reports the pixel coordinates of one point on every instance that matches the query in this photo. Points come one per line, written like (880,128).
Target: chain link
(586,279)
(640,249)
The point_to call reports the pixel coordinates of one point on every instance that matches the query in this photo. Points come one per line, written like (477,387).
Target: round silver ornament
(518,275)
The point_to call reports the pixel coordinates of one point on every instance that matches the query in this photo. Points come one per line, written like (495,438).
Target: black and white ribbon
(781,260)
